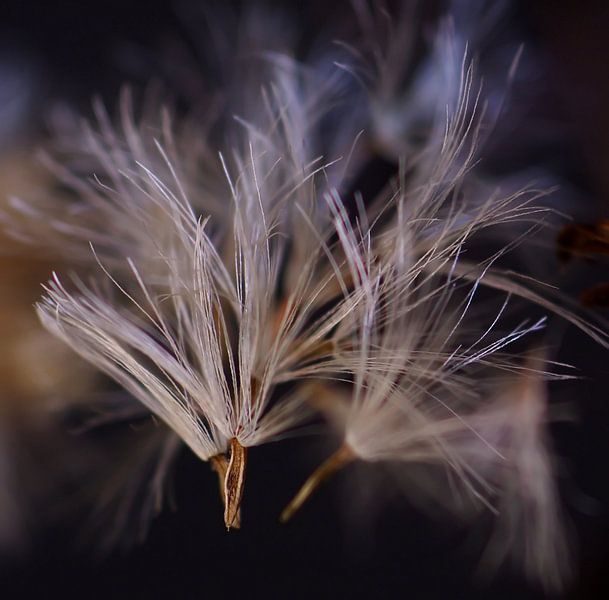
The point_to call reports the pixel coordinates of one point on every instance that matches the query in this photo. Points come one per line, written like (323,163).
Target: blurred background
(59,54)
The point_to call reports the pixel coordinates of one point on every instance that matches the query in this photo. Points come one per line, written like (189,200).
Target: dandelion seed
(204,345)
(412,369)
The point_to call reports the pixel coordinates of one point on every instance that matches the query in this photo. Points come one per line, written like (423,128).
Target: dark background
(334,548)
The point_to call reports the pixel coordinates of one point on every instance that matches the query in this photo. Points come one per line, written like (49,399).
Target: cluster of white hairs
(221,260)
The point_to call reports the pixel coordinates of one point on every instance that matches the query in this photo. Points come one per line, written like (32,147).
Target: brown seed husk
(233,484)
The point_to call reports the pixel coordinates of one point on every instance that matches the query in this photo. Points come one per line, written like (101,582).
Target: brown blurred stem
(342,457)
